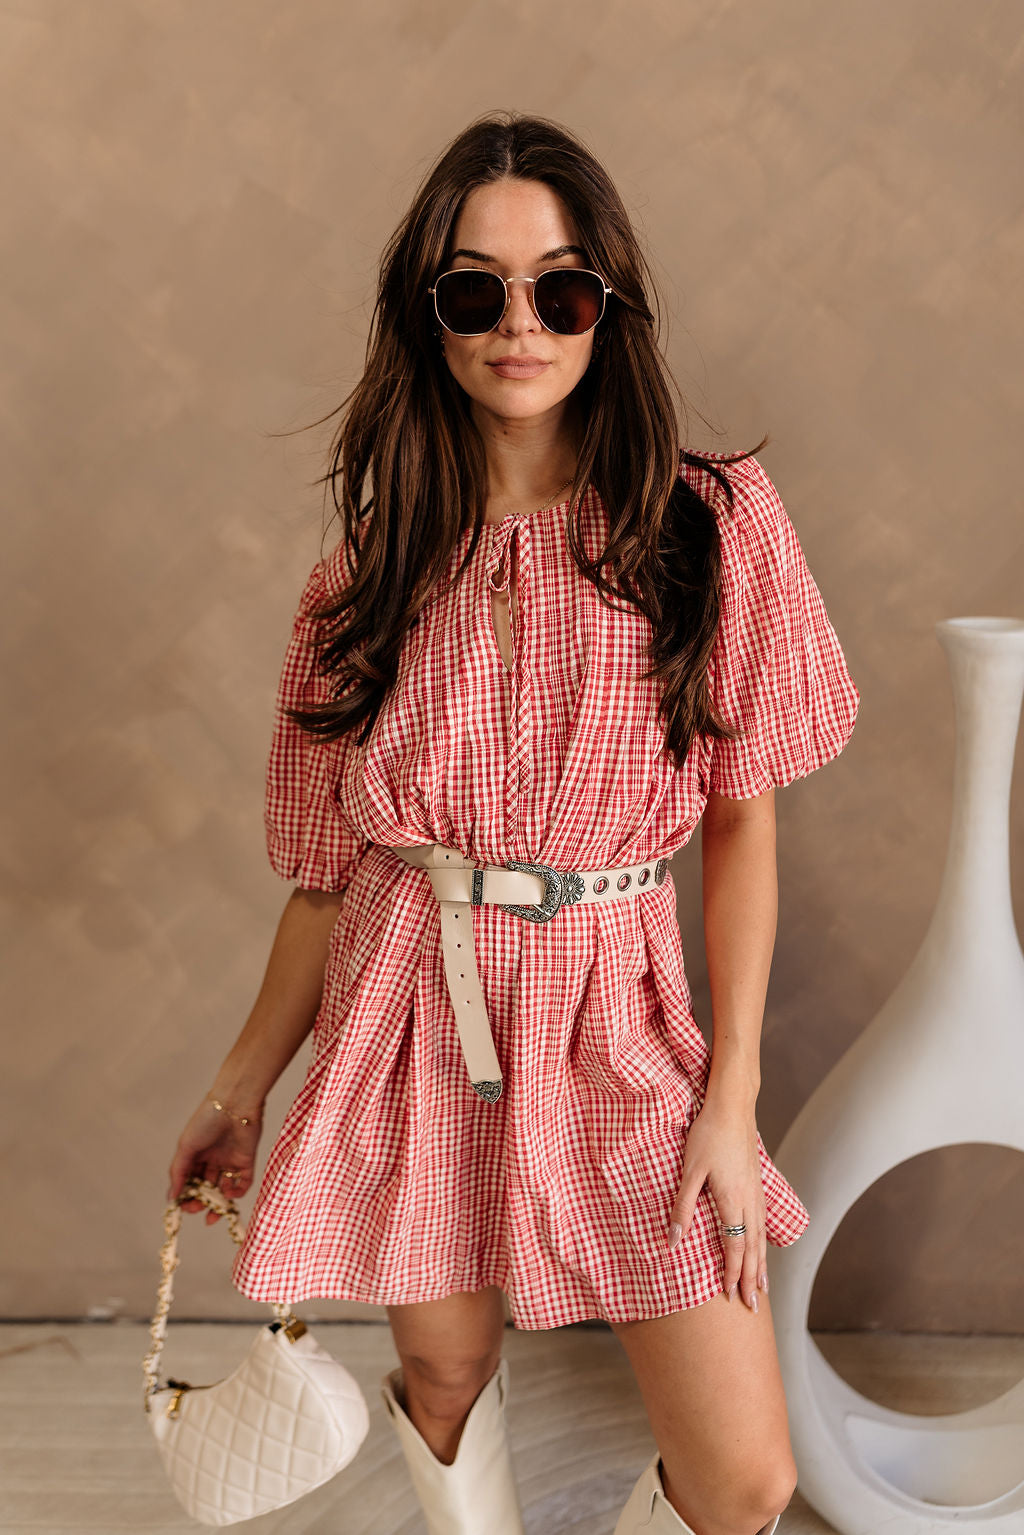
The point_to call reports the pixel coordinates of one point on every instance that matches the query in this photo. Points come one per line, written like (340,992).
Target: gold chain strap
(212,1197)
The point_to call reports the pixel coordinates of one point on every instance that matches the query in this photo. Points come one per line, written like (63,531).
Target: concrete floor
(76,1452)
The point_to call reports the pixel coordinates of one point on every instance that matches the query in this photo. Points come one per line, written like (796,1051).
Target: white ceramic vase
(941,1064)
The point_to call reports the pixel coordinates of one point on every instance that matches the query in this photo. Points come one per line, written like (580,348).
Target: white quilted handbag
(287,1420)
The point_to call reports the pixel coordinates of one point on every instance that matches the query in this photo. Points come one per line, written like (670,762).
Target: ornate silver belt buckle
(559,890)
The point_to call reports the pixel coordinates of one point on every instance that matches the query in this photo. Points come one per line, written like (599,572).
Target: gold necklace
(547,502)
(554,493)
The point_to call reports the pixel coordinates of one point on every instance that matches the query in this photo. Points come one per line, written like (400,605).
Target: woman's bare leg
(709,1378)
(449,1350)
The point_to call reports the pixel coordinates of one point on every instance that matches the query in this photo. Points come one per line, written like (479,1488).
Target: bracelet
(238,1118)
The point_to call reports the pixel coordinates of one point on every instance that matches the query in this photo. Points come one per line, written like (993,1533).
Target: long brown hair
(407,428)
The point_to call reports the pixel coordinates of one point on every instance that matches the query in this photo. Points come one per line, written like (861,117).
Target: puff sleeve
(777,670)
(308,839)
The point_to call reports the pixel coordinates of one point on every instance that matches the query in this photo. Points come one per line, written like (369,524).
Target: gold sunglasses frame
(505,281)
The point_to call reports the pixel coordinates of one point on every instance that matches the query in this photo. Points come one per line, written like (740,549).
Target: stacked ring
(733,1231)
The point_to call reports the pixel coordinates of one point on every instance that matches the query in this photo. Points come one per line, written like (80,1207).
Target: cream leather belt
(533,891)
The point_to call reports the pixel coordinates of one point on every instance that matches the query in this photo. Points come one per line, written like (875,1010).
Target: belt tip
(489,1091)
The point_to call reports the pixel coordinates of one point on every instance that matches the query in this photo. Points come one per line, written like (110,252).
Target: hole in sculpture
(933,1249)
(931,1252)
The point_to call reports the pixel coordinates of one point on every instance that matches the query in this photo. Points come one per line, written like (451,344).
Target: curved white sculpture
(942,1064)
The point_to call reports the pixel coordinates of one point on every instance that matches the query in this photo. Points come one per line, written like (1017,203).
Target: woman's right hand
(212,1146)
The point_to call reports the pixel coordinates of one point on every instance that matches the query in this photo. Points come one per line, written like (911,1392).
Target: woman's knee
(449,1349)
(785,1483)
(713,1392)
(445,1385)
(768,1494)
(744,1498)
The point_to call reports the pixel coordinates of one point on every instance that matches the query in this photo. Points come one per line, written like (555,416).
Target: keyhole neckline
(527,516)
(545,511)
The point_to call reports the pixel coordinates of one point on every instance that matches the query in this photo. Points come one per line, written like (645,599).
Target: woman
(548,645)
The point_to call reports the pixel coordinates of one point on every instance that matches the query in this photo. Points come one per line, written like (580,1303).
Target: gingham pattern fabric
(391,1180)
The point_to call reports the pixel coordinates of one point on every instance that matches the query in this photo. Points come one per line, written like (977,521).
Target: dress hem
(521,1321)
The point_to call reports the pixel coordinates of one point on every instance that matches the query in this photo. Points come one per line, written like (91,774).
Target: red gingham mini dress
(392,1181)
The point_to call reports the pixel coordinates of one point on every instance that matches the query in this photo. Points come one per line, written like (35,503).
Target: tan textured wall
(194,199)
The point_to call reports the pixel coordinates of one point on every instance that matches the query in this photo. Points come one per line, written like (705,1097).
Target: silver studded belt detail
(533,891)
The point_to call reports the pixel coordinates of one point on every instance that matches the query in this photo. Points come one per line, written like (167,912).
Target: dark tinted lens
(470,303)
(567,301)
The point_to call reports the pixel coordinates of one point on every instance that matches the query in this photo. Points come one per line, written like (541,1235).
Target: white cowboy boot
(476,1494)
(648,1510)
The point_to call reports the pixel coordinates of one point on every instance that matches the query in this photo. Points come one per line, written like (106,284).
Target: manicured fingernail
(753,1300)
(763,1282)
(675,1231)
(731,1291)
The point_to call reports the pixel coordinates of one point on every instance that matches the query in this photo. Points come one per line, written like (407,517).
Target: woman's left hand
(721,1150)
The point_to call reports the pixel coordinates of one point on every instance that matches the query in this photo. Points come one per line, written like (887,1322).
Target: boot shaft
(477,1493)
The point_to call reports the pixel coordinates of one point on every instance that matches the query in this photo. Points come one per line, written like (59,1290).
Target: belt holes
(643,876)
(600,886)
(624,881)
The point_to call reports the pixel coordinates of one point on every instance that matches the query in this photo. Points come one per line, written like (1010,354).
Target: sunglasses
(566,300)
